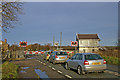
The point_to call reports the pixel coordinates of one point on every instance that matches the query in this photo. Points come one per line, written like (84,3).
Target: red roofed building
(87,42)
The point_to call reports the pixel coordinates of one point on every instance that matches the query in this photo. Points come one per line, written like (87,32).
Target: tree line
(33,47)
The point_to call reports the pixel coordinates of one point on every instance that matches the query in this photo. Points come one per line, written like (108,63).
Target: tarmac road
(72,73)
(32,69)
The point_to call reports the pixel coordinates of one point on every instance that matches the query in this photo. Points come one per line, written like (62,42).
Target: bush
(9,70)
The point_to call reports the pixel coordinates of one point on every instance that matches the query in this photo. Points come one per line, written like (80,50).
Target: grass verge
(9,70)
(111,60)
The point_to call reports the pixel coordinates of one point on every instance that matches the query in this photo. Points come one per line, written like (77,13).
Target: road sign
(23,43)
(74,43)
(56,44)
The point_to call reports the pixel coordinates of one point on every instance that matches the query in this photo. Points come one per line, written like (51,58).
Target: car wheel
(103,71)
(66,66)
(79,69)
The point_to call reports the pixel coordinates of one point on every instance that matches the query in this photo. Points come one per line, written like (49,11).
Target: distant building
(87,42)
(4,45)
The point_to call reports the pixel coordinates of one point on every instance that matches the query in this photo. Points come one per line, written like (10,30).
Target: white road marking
(68,76)
(59,72)
(44,63)
(111,72)
(49,66)
(53,68)
(116,73)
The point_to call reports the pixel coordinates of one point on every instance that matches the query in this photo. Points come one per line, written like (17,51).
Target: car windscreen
(92,57)
(61,53)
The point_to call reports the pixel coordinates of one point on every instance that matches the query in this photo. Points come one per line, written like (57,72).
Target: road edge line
(68,76)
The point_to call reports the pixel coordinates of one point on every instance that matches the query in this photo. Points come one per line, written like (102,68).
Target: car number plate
(62,57)
(96,63)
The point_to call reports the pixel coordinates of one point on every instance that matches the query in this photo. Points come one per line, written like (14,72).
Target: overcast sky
(42,21)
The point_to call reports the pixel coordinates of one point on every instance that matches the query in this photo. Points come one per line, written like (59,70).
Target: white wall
(81,50)
(88,45)
(88,42)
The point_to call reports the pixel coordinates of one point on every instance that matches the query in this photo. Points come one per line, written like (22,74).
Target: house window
(80,42)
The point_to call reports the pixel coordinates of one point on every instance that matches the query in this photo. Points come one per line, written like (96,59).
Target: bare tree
(10,11)
(14,47)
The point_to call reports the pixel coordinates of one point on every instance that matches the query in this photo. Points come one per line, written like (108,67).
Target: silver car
(86,62)
(58,57)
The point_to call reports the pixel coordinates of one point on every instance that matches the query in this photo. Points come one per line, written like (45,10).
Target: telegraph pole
(60,39)
(53,42)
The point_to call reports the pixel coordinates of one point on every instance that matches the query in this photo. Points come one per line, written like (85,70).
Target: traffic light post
(75,49)
(53,42)
(75,44)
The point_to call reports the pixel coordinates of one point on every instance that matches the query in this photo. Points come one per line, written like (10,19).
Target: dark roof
(87,36)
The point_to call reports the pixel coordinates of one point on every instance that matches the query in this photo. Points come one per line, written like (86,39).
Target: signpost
(56,44)
(23,43)
(74,43)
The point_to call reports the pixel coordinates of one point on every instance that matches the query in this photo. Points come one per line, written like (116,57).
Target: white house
(87,42)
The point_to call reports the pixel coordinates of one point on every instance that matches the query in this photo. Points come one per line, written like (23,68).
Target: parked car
(58,57)
(86,62)
(46,55)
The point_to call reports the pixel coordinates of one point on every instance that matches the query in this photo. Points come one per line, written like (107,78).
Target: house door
(93,50)
(84,50)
